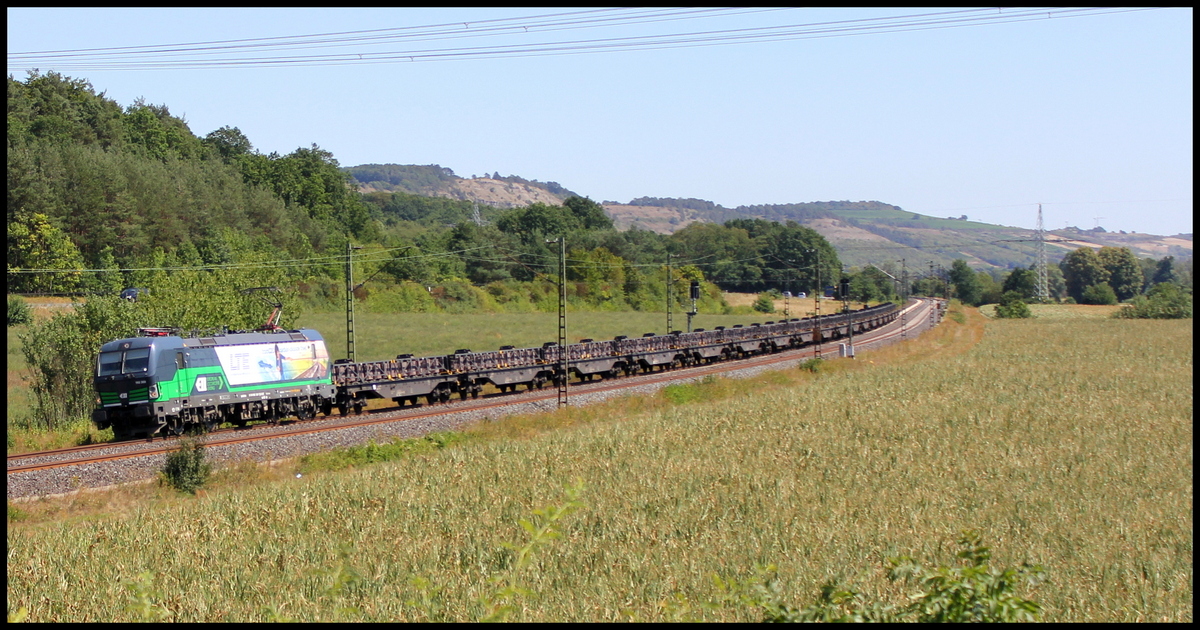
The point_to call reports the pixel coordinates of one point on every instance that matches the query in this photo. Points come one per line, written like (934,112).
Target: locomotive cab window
(129,362)
(110,363)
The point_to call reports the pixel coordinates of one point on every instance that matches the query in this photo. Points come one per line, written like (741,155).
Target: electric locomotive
(162,382)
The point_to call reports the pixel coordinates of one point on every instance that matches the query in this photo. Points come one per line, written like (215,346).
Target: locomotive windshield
(133,361)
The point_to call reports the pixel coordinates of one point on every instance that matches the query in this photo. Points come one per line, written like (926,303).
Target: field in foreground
(1063,441)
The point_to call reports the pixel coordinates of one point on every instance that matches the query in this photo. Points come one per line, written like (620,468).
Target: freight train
(166,383)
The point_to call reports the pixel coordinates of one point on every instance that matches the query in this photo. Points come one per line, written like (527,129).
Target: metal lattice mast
(562,321)
(669,293)
(350,299)
(1043,278)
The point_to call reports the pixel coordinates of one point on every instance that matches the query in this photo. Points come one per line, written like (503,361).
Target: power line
(199,55)
(298,262)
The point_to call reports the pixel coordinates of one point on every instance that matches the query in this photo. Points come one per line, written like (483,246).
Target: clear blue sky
(1090,115)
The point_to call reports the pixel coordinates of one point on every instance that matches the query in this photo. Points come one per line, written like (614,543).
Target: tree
(1022,281)
(158,133)
(728,256)
(538,221)
(1082,269)
(989,289)
(35,244)
(1165,271)
(871,285)
(1125,274)
(590,214)
(230,142)
(966,285)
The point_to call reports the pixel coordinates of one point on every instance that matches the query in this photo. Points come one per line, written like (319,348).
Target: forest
(102,197)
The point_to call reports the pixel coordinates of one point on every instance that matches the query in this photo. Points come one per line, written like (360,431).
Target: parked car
(133,293)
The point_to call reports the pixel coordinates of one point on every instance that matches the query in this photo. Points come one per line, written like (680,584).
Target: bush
(812,365)
(18,311)
(1163,301)
(764,303)
(1012,306)
(406,297)
(458,297)
(187,469)
(1099,294)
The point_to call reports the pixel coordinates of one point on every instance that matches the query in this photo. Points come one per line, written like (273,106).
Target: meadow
(1064,442)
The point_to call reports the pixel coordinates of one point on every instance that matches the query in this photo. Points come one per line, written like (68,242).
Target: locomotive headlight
(154,392)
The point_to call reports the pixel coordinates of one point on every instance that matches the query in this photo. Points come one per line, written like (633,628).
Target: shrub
(764,303)
(1099,294)
(1163,301)
(18,311)
(1012,306)
(459,297)
(187,469)
(406,297)
(812,365)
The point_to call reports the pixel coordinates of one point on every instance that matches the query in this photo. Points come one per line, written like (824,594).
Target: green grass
(1061,311)
(1074,452)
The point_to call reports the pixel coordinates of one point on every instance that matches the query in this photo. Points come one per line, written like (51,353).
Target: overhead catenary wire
(200,56)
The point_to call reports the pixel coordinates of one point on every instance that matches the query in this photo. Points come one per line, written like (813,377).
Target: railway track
(916,318)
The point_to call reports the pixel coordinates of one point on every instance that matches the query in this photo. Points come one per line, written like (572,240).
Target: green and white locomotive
(161,382)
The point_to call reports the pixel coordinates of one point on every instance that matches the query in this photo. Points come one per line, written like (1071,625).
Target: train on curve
(165,383)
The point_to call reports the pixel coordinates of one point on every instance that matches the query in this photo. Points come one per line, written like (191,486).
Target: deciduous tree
(1082,269)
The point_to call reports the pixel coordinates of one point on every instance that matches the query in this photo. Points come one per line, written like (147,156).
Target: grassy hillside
(1058,452)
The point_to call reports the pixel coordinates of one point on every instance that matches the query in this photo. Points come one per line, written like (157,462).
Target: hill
(435,181)
(861,231)
(871,232)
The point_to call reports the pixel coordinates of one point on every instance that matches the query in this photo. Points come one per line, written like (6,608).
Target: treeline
(102,197)
(781,213)
(413,179)
(95,186)
(431,179)
(1109,275)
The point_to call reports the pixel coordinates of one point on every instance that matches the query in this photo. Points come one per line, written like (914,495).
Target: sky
(942,112)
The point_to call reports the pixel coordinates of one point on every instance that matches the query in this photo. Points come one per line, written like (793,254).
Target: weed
(498,605)
(813,365)
(15,513)
(975,593)
(141,599)
(370,453)
(187,469)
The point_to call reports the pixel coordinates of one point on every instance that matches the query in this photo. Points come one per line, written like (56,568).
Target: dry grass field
(1066,442)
